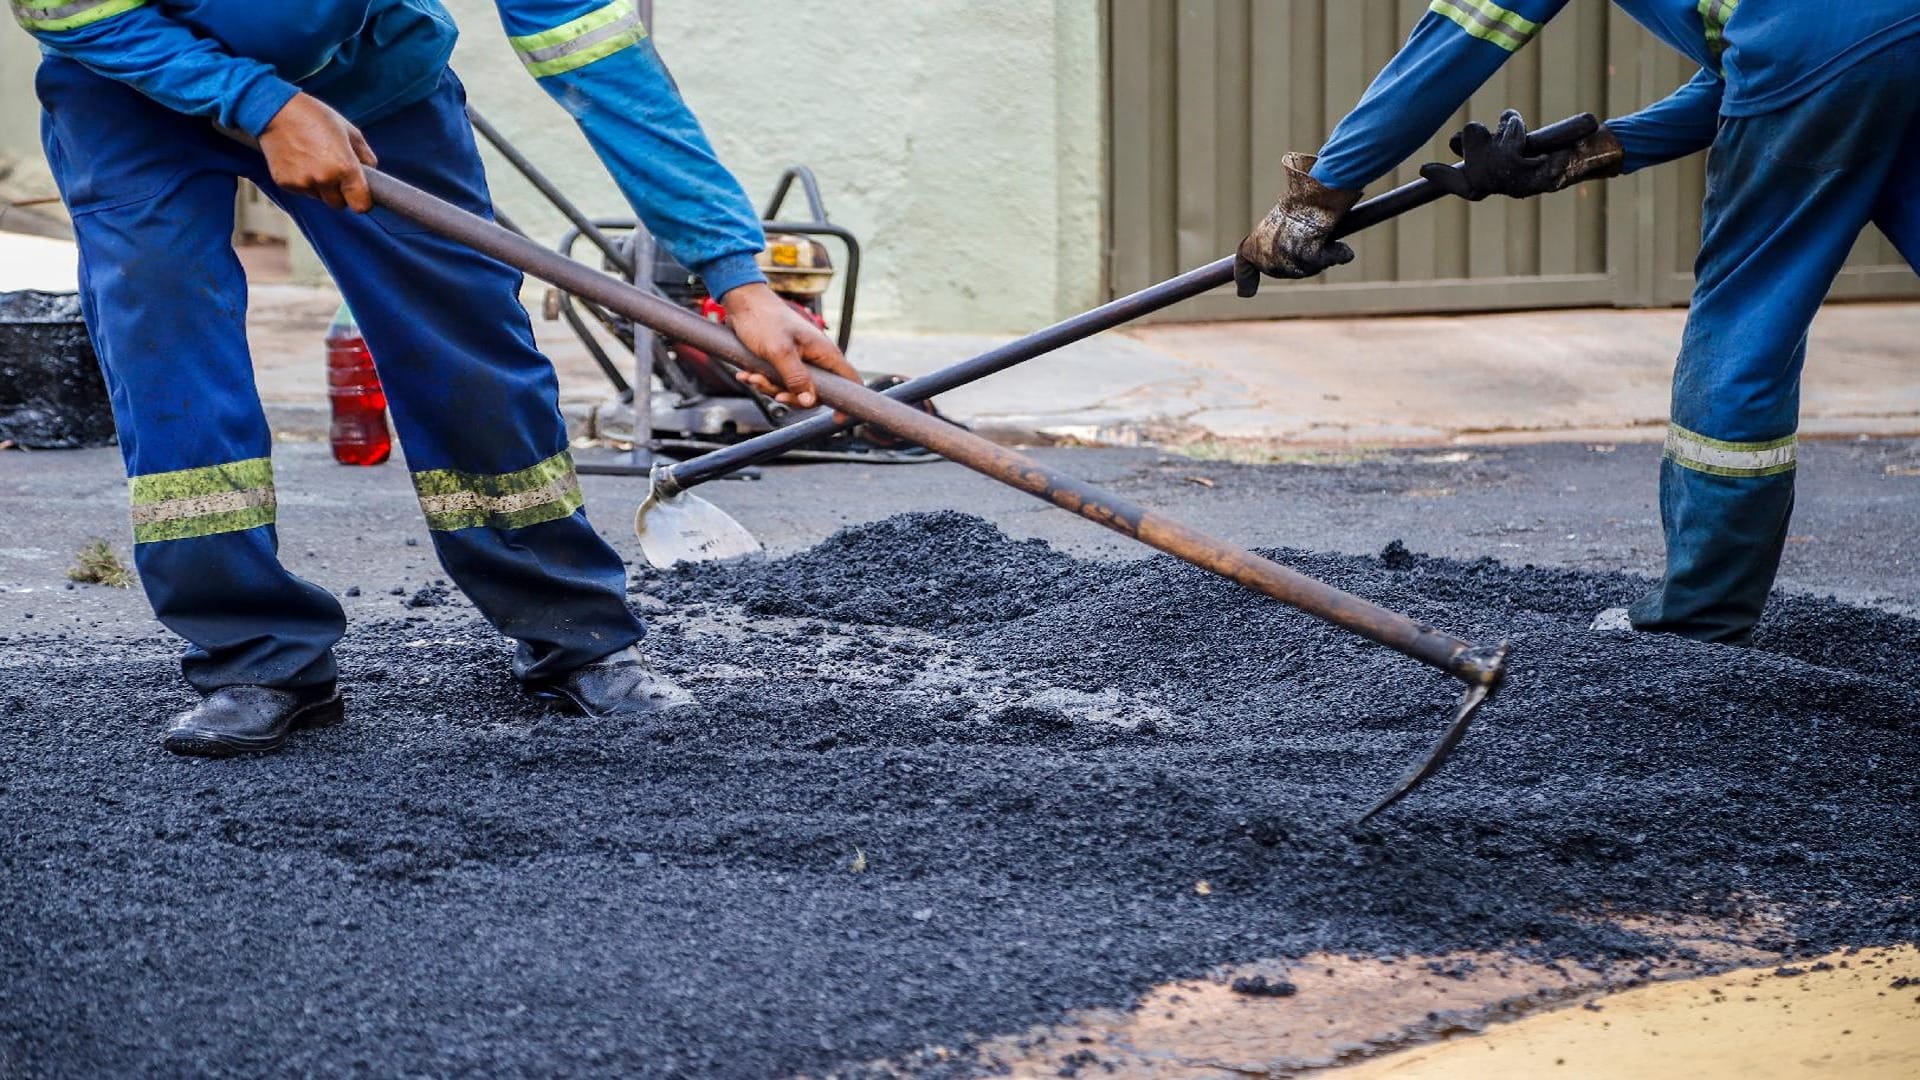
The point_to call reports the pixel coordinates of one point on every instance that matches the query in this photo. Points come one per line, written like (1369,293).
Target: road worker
(132,91)
(1812,112)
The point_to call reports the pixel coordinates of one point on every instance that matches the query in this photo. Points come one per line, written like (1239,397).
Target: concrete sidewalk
(1248,388)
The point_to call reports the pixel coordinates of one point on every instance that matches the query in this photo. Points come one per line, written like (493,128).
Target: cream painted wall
(961,140)
(19,111)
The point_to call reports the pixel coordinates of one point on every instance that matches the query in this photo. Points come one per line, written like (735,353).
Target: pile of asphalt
(52,395)
(942,784)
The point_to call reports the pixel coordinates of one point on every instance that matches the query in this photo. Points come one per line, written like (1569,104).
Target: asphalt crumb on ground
(943,784)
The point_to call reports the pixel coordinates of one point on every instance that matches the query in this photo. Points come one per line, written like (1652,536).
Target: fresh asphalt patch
(943,784)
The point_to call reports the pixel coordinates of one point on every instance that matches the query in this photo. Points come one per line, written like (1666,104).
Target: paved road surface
(1592,507)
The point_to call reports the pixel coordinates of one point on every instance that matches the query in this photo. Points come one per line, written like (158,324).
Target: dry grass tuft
(98,564)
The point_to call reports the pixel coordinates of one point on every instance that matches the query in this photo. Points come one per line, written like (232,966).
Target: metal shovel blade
(677,526)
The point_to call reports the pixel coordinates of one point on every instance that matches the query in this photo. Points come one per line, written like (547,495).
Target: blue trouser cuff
(1724,539)
(250,622)
(556,588)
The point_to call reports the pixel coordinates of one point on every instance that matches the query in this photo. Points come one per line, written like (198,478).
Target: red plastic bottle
(359,434)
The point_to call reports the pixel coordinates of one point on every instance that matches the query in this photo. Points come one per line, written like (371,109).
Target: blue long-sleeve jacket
(1755,56)
(238,62)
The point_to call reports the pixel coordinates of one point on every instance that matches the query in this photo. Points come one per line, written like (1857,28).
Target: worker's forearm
(1453,50)
(1683,123)
(636,121)
(596,61)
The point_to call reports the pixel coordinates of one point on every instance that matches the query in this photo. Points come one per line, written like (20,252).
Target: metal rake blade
(1475,695)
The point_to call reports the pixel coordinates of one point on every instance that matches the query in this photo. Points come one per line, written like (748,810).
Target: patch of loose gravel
(942,785)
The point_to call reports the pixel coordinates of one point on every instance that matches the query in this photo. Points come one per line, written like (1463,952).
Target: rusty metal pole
(1479,667)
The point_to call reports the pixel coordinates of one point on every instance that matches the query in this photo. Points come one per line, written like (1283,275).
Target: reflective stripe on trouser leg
(460,500)
(578,42)
(475,403)
(165,302)
(1719,457)
(212,499)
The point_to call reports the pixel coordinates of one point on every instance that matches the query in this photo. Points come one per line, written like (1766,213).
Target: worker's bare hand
(777,334)
(312,150)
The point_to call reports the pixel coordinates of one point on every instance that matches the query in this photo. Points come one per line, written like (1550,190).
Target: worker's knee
(1738,374)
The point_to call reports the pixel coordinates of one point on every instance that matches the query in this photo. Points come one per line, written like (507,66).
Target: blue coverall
(1812,111)
(129,89)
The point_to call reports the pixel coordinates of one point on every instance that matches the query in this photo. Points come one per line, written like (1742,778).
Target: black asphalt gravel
(52,395)
(943,783)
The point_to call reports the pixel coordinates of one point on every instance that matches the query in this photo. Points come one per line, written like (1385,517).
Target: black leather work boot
(251,719)
(619,685)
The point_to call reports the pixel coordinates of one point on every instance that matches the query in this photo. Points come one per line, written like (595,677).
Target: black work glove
(1497,162)
(1295,239)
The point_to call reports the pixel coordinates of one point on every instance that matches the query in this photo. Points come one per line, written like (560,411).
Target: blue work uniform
(129,90)
(1810,110)
(597,61)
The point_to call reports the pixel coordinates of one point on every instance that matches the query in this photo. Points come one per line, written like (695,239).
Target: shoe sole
(562,702)
(559,701)
(320,714)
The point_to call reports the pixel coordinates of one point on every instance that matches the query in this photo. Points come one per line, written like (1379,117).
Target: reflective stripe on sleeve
(1713,16)
(594,36)
(460,500)
(1488,21)
(1717,457)
(47,16)
(187,503)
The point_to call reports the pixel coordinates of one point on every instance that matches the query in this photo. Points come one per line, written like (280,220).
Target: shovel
(1479,667)
(675,526)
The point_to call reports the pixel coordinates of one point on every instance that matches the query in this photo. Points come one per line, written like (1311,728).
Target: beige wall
(19,113)
(961,140)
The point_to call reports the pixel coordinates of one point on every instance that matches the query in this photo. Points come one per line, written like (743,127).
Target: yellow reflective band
(1488,21)
(48,16)
(594,36)
(460,500)
(1717,457)
(1714,15)
(186,503)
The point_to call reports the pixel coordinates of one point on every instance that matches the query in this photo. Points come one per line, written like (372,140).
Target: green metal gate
(1206,95)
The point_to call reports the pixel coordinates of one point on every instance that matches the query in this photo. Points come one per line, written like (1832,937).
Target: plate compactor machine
(697,405)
